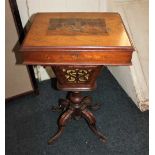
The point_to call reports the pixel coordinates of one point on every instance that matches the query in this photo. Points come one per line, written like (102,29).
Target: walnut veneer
(77,46)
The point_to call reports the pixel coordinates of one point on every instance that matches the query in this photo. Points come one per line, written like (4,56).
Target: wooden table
(77,46)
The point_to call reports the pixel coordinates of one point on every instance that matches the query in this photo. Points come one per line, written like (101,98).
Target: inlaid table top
(76,46)
(77,38)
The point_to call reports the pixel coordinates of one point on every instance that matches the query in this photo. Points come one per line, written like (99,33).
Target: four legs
(75,107)
(92,124)
(61,124)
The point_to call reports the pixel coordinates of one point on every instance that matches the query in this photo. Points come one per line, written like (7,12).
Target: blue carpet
(30,123)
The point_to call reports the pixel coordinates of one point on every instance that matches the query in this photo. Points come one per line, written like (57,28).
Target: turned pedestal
(76,46)
(76,79)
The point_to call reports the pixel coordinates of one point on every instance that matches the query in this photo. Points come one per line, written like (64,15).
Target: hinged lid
(64,31)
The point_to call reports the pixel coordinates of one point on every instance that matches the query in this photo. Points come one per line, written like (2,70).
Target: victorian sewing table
(76,46)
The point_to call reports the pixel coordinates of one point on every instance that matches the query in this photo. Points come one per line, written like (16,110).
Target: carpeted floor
(30,123)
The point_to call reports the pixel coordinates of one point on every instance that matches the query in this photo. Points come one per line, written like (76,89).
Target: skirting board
(19,95)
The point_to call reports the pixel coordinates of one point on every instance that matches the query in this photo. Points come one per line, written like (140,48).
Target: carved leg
(92,124)
(61,123)
(63,105)
(87,101)
(94,107)
(56,135)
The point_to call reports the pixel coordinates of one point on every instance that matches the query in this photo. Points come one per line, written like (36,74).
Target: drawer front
(78,57)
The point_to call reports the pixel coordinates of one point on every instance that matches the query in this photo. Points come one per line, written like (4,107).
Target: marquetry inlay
(77,75)
(77,26)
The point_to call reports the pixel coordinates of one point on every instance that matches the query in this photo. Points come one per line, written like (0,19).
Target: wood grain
(78,57)
(78,46)
(72,45)
(70,80)
(38,35)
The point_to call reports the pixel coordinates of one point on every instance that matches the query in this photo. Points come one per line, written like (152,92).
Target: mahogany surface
(101,40)
(76,78)
(75,106)
(77,46)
